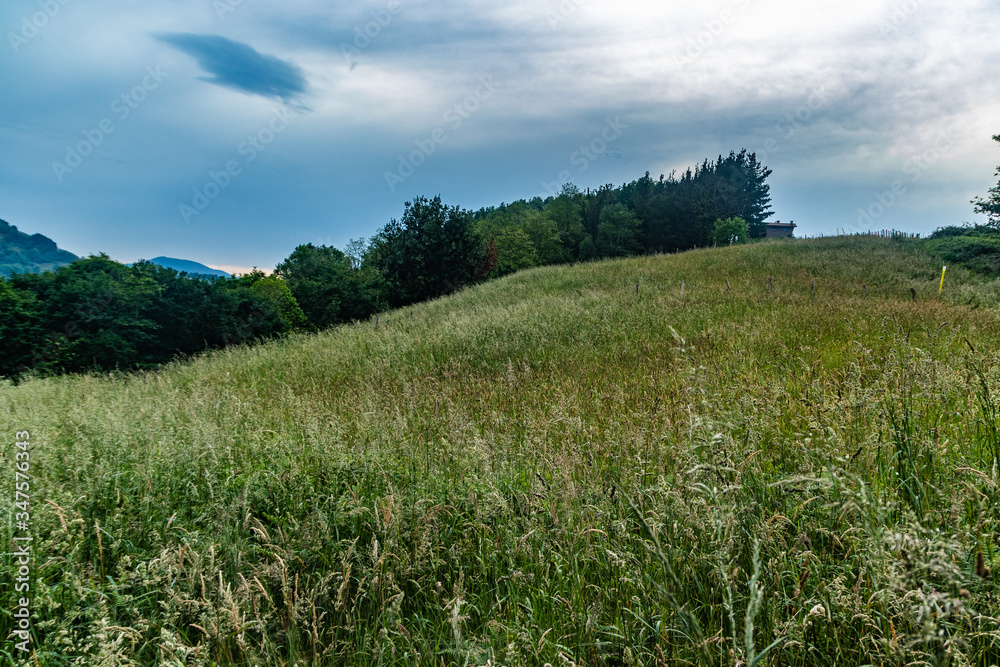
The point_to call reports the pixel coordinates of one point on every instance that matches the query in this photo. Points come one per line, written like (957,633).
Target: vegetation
(101,315)
(328,285)
(976,248)
(730,231)
(571,465)
(23,253)
(990,206)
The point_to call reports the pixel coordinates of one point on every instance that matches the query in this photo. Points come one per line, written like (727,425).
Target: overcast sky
(230,131)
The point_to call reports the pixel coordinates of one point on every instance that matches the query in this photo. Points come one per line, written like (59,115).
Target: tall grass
(550,468)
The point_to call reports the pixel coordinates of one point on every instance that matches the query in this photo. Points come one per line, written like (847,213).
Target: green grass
(548,468)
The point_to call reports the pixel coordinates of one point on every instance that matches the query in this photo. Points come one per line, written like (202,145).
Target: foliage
(730,231)
(515,251)
(991,205)
(545,237)
(278,297)
(564,211)
(98,314)
(19,328)
(619,232)
(976,248)
(431,252)
(330,286)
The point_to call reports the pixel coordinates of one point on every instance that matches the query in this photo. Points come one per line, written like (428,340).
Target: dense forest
(97,314)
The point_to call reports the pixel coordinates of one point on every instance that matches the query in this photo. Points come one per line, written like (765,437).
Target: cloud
(239,66)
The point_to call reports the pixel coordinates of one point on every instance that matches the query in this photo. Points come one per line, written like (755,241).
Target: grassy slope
(465,482)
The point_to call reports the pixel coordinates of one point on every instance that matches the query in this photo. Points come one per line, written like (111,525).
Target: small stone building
(779,228)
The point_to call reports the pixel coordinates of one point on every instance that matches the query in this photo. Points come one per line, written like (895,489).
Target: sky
(230,131)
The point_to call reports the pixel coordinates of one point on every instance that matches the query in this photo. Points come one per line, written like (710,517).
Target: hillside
(189,267)
(584,464)
(24,253)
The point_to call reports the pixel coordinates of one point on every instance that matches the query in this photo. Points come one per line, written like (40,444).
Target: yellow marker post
(942,279)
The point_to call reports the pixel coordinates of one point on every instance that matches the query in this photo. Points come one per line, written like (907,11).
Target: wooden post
(864,291)
(376,320)
(682,290)
(814,289)
(637,289)
(913,294)
(727,286)
(770,284)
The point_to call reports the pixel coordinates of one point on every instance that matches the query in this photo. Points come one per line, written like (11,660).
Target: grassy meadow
(572,465)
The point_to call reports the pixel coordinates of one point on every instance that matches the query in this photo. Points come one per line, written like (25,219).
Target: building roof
(781,224)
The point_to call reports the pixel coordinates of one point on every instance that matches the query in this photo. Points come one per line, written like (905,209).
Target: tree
(619,232)
(18,328)
(730,231)
(191,314)
(92,314)
(430,252)
(587,250)
(515,251)
(330,286)
(564,211)
(355,250)
(279,298)
(544,235)
(991,206)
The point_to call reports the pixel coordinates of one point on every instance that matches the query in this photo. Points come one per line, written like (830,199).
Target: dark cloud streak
(240,67)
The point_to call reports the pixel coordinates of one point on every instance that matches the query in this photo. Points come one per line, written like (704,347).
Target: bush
(730,231)
(975,248)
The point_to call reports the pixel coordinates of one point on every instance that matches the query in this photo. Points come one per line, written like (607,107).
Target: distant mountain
(29,253)
(192,268)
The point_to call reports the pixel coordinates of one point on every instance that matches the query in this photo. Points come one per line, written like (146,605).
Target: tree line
(98,314)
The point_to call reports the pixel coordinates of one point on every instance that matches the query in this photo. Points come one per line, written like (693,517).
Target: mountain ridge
(190,267)
(29,253)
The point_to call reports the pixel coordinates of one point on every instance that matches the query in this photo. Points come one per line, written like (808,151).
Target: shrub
(730,231)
